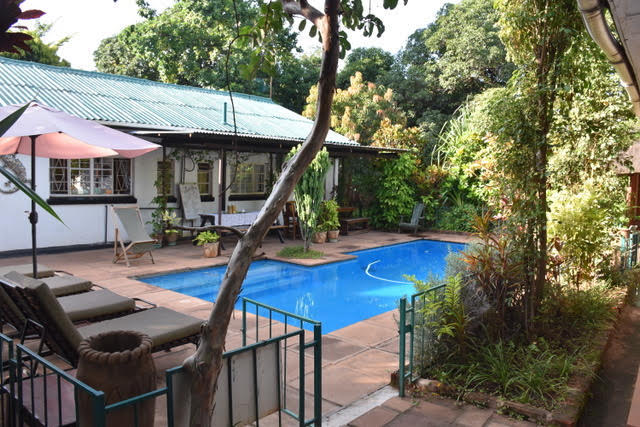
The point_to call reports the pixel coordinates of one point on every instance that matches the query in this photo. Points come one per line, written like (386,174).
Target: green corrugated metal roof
(137,102)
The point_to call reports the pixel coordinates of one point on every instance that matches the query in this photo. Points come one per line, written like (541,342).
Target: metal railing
(34,391)
(413,325)
(289,321)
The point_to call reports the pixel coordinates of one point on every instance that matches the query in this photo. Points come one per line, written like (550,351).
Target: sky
(90,21)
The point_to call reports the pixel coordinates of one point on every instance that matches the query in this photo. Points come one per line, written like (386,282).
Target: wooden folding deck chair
(139,241)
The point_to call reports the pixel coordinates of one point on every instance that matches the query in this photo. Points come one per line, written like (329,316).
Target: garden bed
(563,409)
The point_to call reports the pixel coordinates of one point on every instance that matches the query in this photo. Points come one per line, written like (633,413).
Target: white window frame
(248,182)
(92,169)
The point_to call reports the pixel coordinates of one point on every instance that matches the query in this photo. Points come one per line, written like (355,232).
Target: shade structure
(63,136)
(42,131)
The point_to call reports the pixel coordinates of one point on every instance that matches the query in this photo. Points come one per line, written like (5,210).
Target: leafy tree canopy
(371,62)
(458,55)
(38,50)
(188,44)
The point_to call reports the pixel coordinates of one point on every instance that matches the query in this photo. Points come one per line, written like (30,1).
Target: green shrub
(328,217)
(206,237)
(457,218)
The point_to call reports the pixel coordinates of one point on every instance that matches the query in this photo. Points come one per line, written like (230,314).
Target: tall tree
(372,62)
(205,365)
(538,35)
(188,44)
(456,56)
(293,80)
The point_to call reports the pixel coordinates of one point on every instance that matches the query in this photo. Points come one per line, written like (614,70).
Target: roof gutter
(593,15)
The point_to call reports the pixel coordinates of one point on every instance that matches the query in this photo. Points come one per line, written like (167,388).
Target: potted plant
(209,242)
(328,219)
(320,235)
(157,227)
(170,219)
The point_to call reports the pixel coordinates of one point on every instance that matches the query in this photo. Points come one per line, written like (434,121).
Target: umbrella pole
(33,216)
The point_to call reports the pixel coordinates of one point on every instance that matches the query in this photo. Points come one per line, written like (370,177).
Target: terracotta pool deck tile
(365,333)
(377,417)
(342,385)
(375,364)
(352,368)
(387,320)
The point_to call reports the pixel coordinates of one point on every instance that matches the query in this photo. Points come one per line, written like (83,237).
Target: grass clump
(299,252)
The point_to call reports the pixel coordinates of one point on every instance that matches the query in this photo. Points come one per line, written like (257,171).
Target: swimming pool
(337,294)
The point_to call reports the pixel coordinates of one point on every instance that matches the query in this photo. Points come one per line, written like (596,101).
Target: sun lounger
(27,270)
(139,241)
(166,328)
(88,306)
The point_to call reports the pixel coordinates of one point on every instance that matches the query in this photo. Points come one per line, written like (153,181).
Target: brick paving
(357,360)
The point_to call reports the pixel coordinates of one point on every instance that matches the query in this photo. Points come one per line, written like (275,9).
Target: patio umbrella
(45,132)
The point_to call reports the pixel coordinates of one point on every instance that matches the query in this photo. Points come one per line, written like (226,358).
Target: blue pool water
(337,294)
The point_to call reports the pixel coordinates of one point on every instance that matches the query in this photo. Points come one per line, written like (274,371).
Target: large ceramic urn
(119,363)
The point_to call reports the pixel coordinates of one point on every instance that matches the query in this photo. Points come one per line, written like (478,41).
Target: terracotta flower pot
(319,237)
(210,250)
(119,363)
(172,238)
(332,235)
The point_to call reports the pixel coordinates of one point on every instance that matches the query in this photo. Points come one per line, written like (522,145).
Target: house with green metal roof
(231,145)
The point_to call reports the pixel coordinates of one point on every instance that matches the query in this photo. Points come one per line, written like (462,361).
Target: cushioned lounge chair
(88,306)
(60,285)
(139,241)
(27,270)
(416,216)
(166,328)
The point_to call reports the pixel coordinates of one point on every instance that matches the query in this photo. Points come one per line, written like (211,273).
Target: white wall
(85,224)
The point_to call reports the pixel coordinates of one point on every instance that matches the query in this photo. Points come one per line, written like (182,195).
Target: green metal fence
(35,392)
(415,337)
(277,318)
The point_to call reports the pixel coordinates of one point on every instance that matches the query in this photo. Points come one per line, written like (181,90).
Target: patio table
(238,220)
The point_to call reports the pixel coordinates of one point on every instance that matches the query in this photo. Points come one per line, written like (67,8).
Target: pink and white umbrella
(45,132)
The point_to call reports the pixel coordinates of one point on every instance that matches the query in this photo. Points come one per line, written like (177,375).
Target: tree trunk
(205,364)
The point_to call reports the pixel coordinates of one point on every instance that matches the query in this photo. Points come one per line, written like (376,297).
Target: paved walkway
(407,412)
(613,388)
(357,360)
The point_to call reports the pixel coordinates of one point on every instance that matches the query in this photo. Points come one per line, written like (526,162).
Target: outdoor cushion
(67,285)
(160,324)
(91,305)
(54,311)
(59,285)
(27,270)
(10,311)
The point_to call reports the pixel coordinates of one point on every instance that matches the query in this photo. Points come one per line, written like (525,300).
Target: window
(250,179)
(164,185)
(204,179)
(90,177)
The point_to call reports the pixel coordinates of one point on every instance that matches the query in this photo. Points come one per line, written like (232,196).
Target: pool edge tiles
(337,294)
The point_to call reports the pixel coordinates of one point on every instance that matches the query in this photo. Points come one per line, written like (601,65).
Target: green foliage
(170,219)
(371,62)
(328,217)
(456,56)
(206,237)
(444,314)
(582,222)
(359,110)
(39,51)
(299,252)
(394,194)
(188,44)
(309,192)
(456,218)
